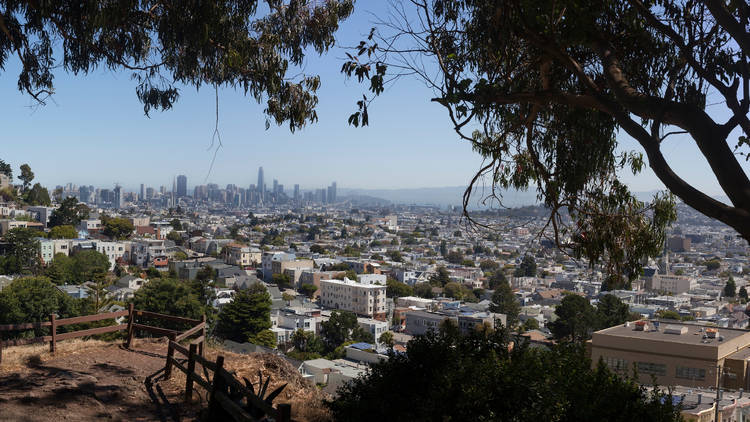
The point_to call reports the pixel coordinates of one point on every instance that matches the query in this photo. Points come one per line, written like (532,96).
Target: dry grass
(34,354)
(306,399)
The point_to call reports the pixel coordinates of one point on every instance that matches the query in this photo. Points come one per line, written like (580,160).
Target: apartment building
(280,267)
(674,284)
(90,225)
(374,327)
(41,214)
(145,251)
(285,322)
(241,255)
(363,267)
(6,225)
(48,248)
(312,276)
(269,258)
(676,353)
(420,322)
(362,299)
(372,279)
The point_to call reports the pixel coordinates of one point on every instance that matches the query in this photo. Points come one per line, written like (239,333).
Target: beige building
(675,353)
(313,276)
(241,255)
(278,267)
(674,284)
(141,221)
(362,299)
(5,181)
(6,225)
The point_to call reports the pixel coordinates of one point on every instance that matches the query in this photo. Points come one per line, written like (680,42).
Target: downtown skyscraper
(181,186)
(261,184)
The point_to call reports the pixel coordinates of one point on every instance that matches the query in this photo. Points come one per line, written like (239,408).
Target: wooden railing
(219,389)
(131,327)
(226,392)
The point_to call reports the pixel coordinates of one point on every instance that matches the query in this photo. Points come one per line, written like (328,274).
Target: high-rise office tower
(142,196)
(117,202)
(261,184)
(149,193)
(181,186)
(84,195)
(332,193)
(296,192)
(173,197)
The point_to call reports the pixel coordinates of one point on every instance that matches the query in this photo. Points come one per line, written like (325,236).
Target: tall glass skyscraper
(181,186)
(261,185)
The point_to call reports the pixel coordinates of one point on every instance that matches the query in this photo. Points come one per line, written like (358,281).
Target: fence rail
(219,389)
(223,389)
(131,327)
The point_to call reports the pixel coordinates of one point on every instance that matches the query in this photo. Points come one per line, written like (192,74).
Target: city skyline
(181,185)
(233,195)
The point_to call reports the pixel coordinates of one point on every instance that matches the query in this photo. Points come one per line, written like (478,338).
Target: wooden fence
(130,327)
(224,389)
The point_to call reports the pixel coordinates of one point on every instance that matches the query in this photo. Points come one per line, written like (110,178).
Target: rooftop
(694,333)
(347,282)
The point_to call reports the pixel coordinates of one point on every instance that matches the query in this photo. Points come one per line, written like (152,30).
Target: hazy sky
(95,133)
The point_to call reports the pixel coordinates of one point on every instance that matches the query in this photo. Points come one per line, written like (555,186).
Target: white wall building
(371,279)
(362,299)
(143,251)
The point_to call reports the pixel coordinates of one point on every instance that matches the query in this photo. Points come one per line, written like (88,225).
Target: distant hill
(453,196)
(441,196)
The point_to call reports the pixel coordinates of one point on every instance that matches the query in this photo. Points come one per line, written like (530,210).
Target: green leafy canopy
(168,44)
(542,89)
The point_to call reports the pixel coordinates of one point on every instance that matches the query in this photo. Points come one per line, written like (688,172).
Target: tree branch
(709,136)
(724,18)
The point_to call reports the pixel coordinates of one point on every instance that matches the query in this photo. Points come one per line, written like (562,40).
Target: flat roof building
(675,353)
(362,299)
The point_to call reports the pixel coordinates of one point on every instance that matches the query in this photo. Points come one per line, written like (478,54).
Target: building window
(690,373)
(649,368)
(615,364)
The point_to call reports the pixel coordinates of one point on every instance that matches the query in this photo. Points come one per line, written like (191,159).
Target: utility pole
(719,376)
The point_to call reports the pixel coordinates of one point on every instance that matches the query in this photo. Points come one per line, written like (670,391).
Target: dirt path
(105,382)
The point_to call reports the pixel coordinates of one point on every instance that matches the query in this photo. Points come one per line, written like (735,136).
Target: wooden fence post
(131,317)
(189,375)
(53,331)
(285,412)
(200,346)
(218,385)
(170,357)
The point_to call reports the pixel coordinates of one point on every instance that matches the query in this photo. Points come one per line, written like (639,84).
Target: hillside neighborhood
(401,272)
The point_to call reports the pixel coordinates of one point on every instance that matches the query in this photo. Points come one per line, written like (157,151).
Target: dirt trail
(103,382)
(94,380)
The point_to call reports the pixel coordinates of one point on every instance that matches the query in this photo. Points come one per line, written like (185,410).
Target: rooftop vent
(712,332)
(675,329)
(641,326)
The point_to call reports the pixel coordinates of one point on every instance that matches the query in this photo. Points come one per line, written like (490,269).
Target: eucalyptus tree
(254,46)
(542,89)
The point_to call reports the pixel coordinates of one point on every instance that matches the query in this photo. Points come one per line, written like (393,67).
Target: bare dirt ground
(94,380)
(100,381)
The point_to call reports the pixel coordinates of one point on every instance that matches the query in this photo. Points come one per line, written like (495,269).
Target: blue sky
(95,132)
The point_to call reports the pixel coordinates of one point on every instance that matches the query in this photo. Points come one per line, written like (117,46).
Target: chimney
(740,393)
(700,398)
